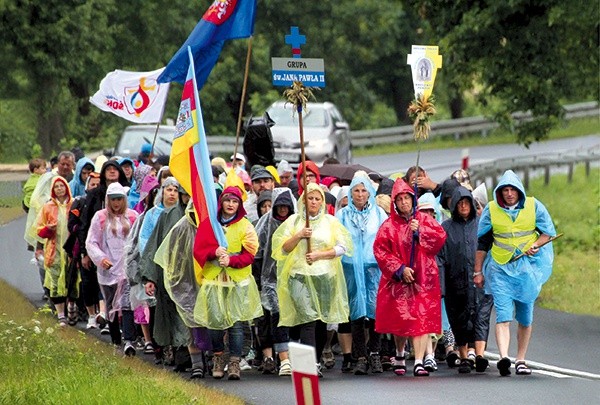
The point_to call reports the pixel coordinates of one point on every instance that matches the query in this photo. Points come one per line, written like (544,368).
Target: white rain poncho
(522,279)
(310,292)
(39,197)
(361,269)
(138,296)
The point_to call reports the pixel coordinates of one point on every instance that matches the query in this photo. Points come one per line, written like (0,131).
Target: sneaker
(129,349)
(328,359)
(347,366)
(375,363)
(91,323)
(105,330)
(218,370)
(148,348)
(481,364)
(101,319)
(452,359)
(430,364)
(269,366)
(319,370)
(286,368)
(399,365)
(233,369)
(244,366)
(362,366)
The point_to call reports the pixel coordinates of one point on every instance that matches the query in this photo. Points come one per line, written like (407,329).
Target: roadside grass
(42,363)
(10,209)
(572,128)
(575,207)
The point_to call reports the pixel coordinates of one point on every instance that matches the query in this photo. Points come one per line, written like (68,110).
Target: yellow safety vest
(511,235)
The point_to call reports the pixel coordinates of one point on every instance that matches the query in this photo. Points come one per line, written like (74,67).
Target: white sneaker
(91,323)
(286,368)
(244,366)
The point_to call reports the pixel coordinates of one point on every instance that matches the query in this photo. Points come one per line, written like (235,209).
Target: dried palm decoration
(299,95)
(420,111)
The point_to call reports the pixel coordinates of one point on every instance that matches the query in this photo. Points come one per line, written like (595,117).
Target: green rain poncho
(310,292)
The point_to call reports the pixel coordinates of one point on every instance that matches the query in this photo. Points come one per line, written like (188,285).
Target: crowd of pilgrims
(366,271)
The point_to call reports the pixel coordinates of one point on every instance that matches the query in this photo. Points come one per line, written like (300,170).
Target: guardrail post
(570,173)
(546,175)
(526,177)
(587,168)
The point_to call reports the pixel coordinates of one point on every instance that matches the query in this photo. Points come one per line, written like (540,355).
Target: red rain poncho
(408,309)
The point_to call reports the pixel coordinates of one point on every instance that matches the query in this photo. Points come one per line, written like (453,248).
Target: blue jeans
(236,339)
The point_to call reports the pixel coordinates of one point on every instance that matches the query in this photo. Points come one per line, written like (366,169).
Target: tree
(520,55)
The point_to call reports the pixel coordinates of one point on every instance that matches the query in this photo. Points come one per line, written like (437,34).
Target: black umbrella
(343,172)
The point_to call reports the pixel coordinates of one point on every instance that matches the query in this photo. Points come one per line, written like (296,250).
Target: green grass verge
(41,363)
(572,128)
(575,282)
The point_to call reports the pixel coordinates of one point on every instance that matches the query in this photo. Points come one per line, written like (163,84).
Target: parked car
(131,140)
(326,133)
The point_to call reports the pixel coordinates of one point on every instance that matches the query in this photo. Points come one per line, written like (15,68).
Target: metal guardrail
(457,127)
(527,164)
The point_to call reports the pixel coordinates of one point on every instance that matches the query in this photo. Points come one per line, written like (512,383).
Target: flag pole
(162,113)
(241,110)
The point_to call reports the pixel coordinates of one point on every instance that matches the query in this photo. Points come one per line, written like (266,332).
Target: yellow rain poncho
(39,197)
(51,227)
(310,292)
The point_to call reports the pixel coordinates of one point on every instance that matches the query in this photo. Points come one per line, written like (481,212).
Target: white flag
(135,96)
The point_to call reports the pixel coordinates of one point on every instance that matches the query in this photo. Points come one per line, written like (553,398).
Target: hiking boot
(286,368)
(328,359)
(72,314)
(375,363)
(465,366)
(386,363)
(233,368)
(269,366)
(362,366)
(347,366)
(218,370)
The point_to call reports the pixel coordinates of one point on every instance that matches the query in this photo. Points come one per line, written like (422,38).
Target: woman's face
(282,210)
(170,196)
(314,202)
(116,203)
(230,207)
(265,207)
(360,196)
(404,202)
(60,190)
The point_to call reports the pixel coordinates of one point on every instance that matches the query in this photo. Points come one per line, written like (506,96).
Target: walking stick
(552,238)
(241,111)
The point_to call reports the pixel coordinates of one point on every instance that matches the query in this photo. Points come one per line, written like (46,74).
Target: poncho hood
(63,181)
(509,178)
(459,193)
(366,182)
(311,167)
(400,187)
(122,178)
(310,187)
(241,212)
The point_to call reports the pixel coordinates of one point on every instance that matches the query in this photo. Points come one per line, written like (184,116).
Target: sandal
(148,348)
(399,365)
(430,364)
(197,372)
(452,360)
(522,368)
(504,366)
(419,371)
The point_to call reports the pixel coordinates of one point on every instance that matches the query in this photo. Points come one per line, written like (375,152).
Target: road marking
(548,369)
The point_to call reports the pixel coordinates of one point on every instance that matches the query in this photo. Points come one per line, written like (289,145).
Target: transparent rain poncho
(310,292)
(39,197)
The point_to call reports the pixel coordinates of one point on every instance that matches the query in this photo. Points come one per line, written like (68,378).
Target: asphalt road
(567,342)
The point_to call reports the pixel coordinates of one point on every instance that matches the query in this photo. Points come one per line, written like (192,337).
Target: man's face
(93,183)
(112,174)
(260,185)
(65,167)
(510,195)
(310,177)
(285,179)
(85,172)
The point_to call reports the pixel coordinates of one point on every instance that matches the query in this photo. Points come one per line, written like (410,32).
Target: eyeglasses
(311,176)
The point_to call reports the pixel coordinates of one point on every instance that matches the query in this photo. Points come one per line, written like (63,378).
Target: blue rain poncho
(77,185)
(361,269)
(522,279)
(310,292)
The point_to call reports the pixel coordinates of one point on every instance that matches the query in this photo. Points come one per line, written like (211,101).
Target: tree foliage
(517,54)
(520,55)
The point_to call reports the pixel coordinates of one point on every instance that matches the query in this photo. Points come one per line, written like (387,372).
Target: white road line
(549,369)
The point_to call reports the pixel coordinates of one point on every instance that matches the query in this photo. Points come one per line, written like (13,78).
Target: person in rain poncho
(182,278)
(105,246)
(228,295)
(362,217)
(408,301)
(83,168)
(311,286)
(167,197)
(510,225)
(169,329)
(52,228)
(468,307)
(271,335)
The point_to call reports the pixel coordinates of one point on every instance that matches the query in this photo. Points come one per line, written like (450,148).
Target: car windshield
(313,117)
(132,140)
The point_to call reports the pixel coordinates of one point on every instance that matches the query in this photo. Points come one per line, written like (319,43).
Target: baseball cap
(238,156)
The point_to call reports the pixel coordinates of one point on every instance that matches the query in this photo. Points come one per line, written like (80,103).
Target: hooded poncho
(55,213)
(361,270)
(521,280)
(408,309)
(77,185)
(310,292)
